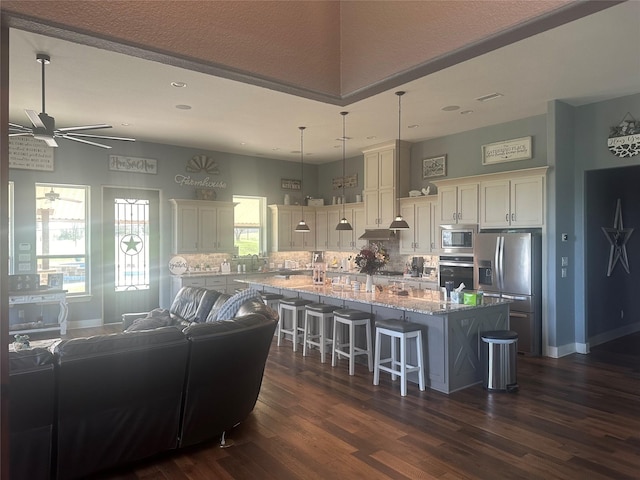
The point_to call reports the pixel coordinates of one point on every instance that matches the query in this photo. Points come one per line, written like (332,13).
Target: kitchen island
(451,332)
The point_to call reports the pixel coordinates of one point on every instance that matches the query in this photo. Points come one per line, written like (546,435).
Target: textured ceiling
(579,54)
(330,48)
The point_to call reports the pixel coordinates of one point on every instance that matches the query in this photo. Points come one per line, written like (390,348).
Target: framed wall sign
(290,184)
(434,167)
(507,151)
(29,153)
(350,181)
(120,163)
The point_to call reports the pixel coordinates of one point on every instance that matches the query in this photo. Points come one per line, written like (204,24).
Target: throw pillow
(155,319)
(231,306)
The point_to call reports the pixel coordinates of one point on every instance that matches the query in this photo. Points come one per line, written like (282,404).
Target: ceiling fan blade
(49,141)
(68,137)
(83,127)
(91,135)
(19,134)
(18,127)
(35,119)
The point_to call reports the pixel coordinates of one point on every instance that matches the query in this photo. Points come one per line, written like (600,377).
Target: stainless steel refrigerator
(509,265)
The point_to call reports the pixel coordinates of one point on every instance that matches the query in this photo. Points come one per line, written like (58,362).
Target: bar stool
(322,313)
(272,300)
(403,331)
(351,318)
(295,306)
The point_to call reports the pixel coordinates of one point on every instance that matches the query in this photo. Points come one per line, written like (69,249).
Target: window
(62,236)
(250,225)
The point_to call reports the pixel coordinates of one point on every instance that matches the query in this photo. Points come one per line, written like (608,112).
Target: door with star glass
(131,232)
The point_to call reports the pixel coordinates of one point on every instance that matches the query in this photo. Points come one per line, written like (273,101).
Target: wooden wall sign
(29,153)
(507,151)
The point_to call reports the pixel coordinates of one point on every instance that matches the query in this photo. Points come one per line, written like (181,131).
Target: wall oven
(457,269)
(457,239)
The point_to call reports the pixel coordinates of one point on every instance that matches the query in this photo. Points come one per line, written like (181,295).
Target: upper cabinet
(201,226)
(386,175)
(513,199)
(284,220)
(458,203)
(328,238)
(420,214)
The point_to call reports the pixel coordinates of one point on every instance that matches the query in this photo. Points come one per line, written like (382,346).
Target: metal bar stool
(295,306)
(402,331)
(352,319)
(322,313)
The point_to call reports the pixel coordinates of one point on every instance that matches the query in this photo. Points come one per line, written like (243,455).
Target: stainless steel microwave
(457,238)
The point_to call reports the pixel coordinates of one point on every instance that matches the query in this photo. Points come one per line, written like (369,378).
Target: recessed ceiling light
(178,84)
(371,137)
(491,96)
(125,124)
(450,108)
(466,112)
(183,107)
(413,126)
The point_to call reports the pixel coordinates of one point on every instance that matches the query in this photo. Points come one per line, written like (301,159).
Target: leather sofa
(125,396)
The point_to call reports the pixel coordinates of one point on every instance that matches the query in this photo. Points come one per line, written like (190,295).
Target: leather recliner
(31,413)
(216,399)
(119,398)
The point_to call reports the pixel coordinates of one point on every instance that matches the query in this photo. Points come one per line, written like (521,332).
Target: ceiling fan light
(399,223)
(302,227)
(344,225)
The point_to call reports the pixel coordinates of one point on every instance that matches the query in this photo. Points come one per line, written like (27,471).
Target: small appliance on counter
(417,266)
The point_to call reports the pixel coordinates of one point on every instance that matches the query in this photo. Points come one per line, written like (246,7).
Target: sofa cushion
(220,301)
(156,318)
(233,304)
(185,304)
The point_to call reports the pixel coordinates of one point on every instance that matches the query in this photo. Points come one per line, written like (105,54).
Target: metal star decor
(129,243)
(618,237)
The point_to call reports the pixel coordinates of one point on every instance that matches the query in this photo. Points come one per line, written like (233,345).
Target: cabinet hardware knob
(513,217)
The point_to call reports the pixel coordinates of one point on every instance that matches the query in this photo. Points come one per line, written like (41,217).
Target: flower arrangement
(372,258)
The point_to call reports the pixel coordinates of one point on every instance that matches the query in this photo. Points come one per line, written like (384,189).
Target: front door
(130,252)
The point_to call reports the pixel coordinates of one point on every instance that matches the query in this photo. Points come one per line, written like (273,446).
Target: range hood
(377,234)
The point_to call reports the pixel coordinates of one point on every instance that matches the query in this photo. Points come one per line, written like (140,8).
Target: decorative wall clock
(624,138)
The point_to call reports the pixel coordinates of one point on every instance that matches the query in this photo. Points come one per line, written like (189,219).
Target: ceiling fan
(44,126)
(52,196)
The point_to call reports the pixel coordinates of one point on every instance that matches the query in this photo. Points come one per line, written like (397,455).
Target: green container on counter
(473,298)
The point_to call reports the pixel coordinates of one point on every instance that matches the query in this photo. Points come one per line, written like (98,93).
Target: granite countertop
(429,303)
(287,271)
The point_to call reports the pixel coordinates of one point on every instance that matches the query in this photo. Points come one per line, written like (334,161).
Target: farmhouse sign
(507,151)
(133,164)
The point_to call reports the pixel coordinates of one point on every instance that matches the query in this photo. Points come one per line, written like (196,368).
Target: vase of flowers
(370,260)
(21,342)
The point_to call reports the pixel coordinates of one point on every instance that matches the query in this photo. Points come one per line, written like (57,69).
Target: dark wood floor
(577,417)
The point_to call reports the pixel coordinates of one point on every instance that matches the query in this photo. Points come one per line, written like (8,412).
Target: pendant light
(302,225)
(399,223)
(343,225)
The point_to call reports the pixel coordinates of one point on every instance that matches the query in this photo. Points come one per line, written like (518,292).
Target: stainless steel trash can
(499,356)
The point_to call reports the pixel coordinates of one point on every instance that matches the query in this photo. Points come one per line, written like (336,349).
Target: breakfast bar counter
(451,332)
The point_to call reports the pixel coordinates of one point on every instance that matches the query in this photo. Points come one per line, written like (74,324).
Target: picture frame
(434,167)
(290,184)
(507,151)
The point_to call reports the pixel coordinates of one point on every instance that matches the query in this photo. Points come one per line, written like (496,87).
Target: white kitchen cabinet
(419,213)
(326,236)
(512,202)
(386,174)
(458,203)
(201,226)
(349,239)
(284,220)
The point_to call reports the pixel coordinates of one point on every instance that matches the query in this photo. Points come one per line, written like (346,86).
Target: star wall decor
(618,237)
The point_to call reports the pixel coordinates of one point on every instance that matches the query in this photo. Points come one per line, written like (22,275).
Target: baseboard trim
(568,349)
(613,334)
(89,323)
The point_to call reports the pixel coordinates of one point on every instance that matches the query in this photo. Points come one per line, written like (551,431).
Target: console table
(23,323)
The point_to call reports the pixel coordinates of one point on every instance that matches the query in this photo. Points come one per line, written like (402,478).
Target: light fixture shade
(344,225)
(399,223)
(302,227)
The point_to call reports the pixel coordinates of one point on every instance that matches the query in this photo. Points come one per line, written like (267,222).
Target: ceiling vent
(491,96)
